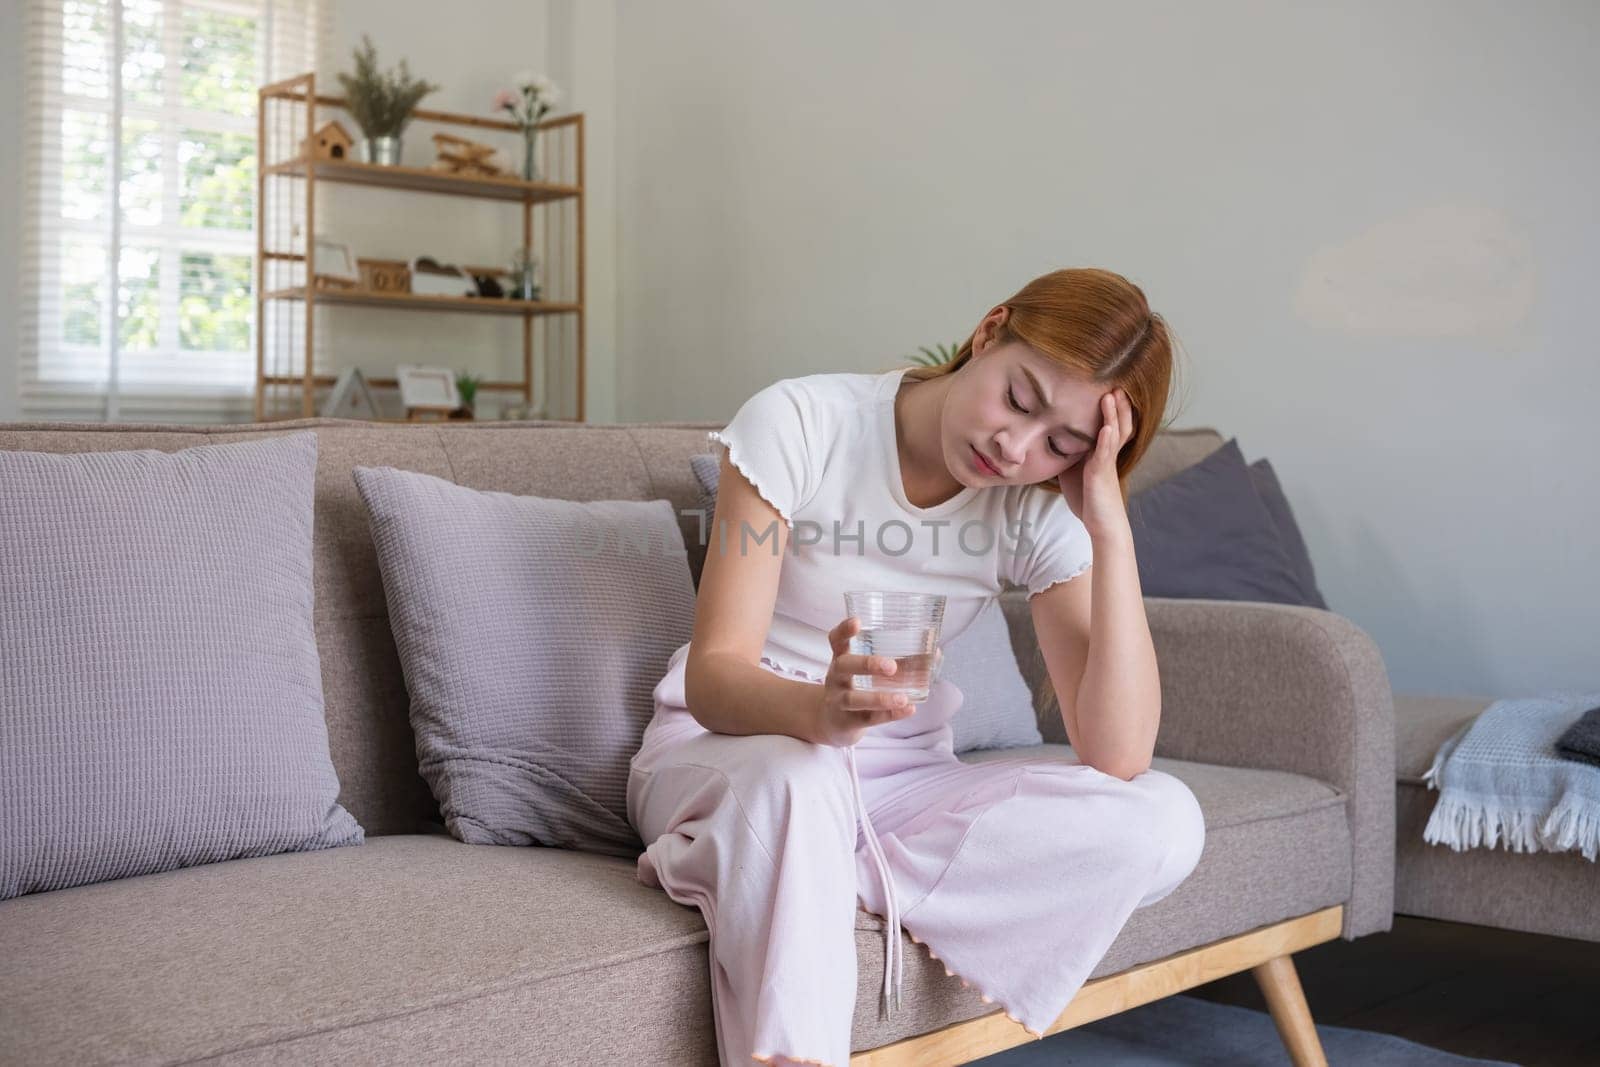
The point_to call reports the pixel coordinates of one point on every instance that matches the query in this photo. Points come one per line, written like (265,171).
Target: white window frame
(58,376)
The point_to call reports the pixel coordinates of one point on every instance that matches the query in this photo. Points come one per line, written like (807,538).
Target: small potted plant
(381,103)
(467,386)
(524,275)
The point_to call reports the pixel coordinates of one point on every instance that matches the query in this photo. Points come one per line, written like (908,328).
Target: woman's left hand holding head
(1090,487)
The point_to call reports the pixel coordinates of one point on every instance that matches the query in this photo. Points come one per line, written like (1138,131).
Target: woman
(762,760)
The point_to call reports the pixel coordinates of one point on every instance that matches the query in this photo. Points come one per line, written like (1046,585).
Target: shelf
(422,179)
(329,380)
(478,305)
(296,143)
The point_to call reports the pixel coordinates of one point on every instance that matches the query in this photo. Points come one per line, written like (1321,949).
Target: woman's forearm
(1119,700)
(728,695)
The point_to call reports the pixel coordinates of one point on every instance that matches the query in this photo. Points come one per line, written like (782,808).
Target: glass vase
(529,134)
(527,285)
(524,275)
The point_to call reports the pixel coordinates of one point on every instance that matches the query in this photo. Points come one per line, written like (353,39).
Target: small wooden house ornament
(331,141)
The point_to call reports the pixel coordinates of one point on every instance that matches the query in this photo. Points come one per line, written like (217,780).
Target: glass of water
(903,627)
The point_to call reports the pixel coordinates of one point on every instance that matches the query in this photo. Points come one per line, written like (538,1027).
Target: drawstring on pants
(893,960)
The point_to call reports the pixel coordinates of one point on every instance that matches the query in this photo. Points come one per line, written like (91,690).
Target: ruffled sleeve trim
(1064,578)
(718,437)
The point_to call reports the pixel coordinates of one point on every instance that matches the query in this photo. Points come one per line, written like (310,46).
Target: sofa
(414,946)
(1533,892)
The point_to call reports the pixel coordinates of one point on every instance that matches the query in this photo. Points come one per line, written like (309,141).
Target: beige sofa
(416,947)
(1535,892)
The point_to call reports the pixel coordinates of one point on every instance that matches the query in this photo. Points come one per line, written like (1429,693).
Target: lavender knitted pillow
(160,686)
(997,708)
(532,633)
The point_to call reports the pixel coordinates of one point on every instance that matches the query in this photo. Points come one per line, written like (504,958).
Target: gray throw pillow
(161,686)
(997,711)
(531,633)
(1265,479)
(1205,532)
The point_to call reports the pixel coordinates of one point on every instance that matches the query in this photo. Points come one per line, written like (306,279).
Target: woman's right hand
(848,712)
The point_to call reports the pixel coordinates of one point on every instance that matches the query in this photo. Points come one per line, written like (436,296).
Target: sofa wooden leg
(1280,984)
(1265,949)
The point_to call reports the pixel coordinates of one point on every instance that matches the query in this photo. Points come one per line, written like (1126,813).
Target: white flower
(522,79)
(552,97)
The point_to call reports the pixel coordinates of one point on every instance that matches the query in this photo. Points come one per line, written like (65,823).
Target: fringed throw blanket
(1501,777)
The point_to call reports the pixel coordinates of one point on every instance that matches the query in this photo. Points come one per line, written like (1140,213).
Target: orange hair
(1097,325)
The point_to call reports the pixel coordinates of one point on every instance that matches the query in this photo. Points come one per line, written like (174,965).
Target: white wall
(583,36)
(1373,227)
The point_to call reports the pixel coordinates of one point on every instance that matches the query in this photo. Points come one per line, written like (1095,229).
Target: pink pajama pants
(1017,874)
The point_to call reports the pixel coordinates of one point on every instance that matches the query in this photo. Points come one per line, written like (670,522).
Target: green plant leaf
(381,104)
(933,357)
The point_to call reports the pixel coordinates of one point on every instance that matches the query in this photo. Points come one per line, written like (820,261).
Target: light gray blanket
(1500,778)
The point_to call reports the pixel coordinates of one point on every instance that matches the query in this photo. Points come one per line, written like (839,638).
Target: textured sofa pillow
(531,633)
(1205,532)
(707,470)
(1265,479)
(162,690)
(997,709)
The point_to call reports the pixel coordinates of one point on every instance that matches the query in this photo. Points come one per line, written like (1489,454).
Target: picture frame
(336,264)
(427,388)
(351,397)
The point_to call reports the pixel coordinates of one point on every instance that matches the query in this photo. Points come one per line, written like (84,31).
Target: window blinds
(139,157)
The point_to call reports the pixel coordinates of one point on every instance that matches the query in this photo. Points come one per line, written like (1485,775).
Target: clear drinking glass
(903,627)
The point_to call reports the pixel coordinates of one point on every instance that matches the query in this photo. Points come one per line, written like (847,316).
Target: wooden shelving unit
(286,377)
(473,304)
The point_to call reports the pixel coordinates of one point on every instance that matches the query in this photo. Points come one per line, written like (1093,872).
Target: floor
(1471,990)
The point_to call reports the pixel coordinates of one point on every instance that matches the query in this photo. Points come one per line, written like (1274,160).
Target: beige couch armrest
(1275,687)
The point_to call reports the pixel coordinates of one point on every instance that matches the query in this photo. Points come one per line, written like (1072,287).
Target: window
(141,179)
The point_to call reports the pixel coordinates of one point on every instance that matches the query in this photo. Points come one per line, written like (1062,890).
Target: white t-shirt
(821,450)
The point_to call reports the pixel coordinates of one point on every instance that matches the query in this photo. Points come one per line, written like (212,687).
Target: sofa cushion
(1424,722)
(162,690)
(997,707)
(561,957)
(708,472)
(532,633)
(408,949)
(1205,532)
